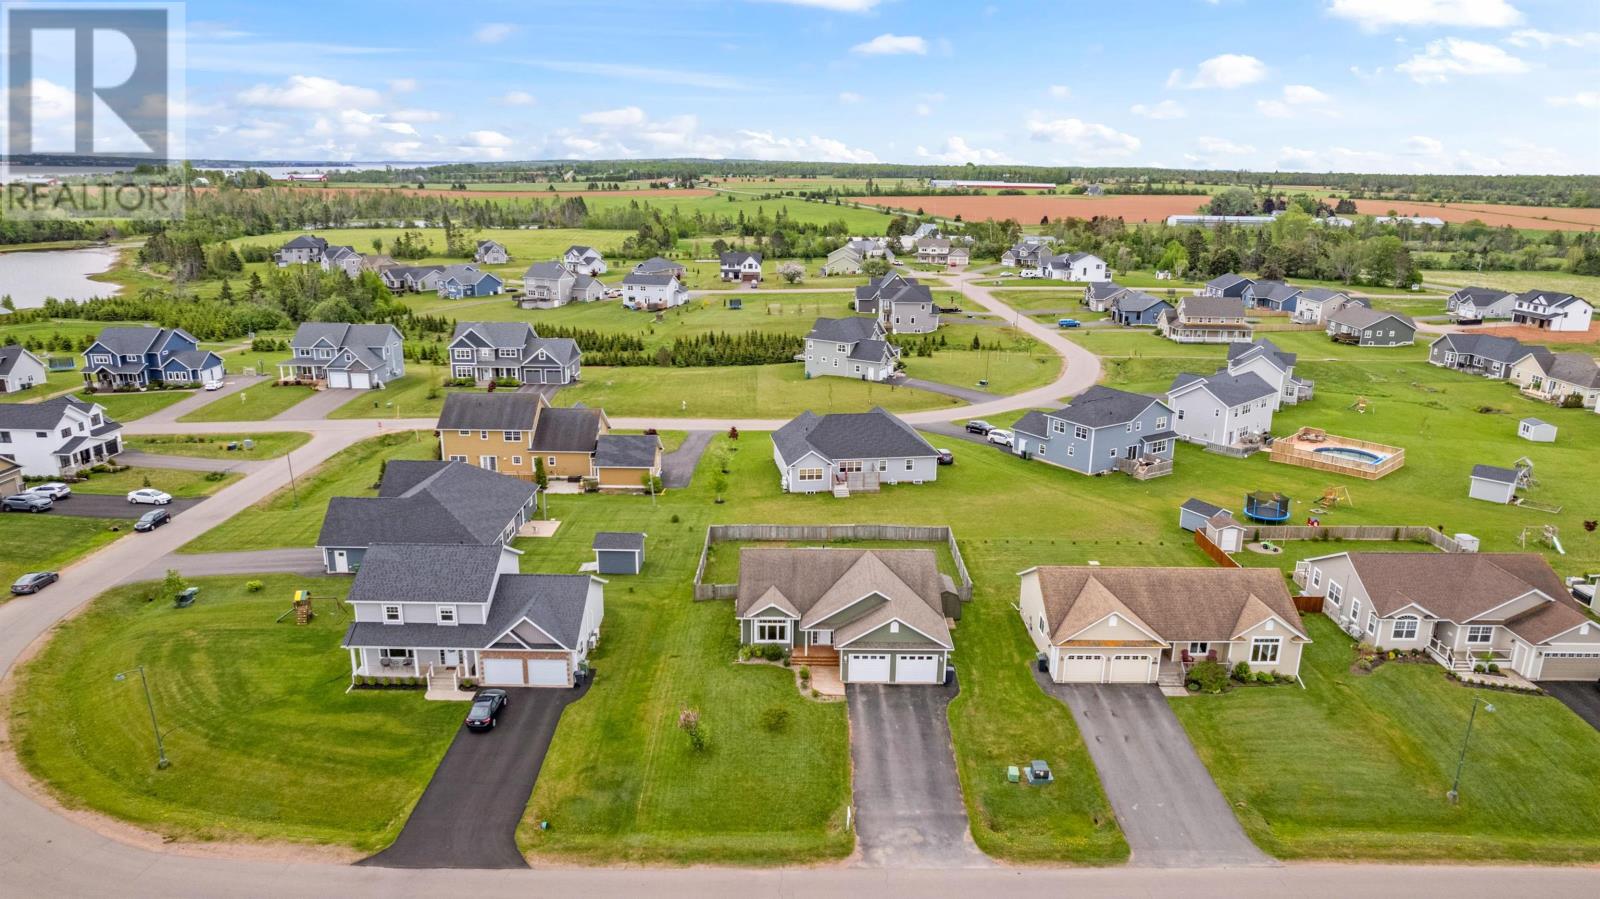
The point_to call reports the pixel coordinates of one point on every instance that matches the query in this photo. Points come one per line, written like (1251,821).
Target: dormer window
(391,615)
(447,615)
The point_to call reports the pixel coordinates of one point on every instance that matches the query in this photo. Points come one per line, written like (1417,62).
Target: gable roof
(845,330)
(619,540)
(1321,294)
(1241,352)
(818,583)
(1139,301)
(1577,369)
(1101,406)
(426,573)
(547,271)
(340,334)
(1222,282)
(850,435)
(1201,507)
(648,280)
(554,603)
(500,411)
(11,354)
(1461,586)
(428,502)
(1479,295)
(1197,604)
(1495,473)
(131,341)
(44,415)
(1273,290)
(626,450)
(1230,389)
(1505,350)
(1212,307)
(574,430)
(306,242)
(658,264)
(1360,317)
(495,334)
(738,257)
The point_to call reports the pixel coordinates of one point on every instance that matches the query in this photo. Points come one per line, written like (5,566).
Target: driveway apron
(677,467)
(1582,697)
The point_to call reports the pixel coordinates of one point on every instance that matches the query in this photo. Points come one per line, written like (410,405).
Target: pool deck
(1301,448)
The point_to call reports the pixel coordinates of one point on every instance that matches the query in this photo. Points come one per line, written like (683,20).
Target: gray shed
(1536,430)
(1194,513)
(619,552)
(1493,484)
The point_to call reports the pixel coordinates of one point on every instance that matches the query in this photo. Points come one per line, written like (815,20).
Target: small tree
(541,475)
(174,583)
(719,485)
(875,268)
(792,272)
(689,723)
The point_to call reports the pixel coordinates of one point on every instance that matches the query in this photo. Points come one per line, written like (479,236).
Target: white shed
(1536,430)
(1493,484)
(1225,531)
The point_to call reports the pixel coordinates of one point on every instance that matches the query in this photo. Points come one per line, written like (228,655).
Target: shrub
(1241,672)
(1364,664)
(1493,668)
(1266,677)
(1209,676)
(675,518)
(744,653)
(1479,668)
(689,723)
(774,719)
(805,673)
(253,586)
(773,652)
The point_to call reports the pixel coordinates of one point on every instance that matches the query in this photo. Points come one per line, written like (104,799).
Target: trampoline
(1266,506)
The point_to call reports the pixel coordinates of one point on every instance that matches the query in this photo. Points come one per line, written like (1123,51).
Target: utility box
(1013,774)
(1039,772)
(1467,542)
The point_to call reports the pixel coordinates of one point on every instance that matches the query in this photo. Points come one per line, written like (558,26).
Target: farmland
(1030,209)
(1541,218)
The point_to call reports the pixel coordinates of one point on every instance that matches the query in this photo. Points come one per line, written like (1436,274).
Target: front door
(449,658)
(341,560)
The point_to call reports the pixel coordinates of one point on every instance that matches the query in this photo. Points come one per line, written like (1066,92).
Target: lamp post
(161,749)
(1455,787)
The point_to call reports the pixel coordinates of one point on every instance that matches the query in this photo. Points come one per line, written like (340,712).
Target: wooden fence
(1396,533)
(823,533)
(1217,554)
(1305,605)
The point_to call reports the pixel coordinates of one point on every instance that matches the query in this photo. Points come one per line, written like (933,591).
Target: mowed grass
(268,444)
(417,394)
(744,391)
(126,407)
(1006,372)
(176,481)
(48,542)
(264,741)
(293,515)
(258,403)
(1357,765)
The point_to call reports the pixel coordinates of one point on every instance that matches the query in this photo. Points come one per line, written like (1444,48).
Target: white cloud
(309,92)
(415,116)
(957,151)
(403,85)
(642,74)
(830,5)
(1303,93)
(1166,109)
(1453,56)
(892,45)
(518,98)
(1375,14)
(1532,37)
(1060,91)
(1294,95)
(488,139)
(1424,146)
(494,32)
(627,115)
(1214,147)
(1089,138)
(850,97)
(924,109)
(1582,100)
(1227,71)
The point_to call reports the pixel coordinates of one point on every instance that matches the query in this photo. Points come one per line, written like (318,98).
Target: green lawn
(268,444)
(293,517)
(178,482)
(263,739)
(1030,300)
(126,407)
(1357,765)
(1006,372)
(744,391)
(257,403)
(417,394)
(48,542)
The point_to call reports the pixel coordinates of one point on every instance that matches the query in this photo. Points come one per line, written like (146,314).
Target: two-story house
(454,613)
(1227,285)
(1465,609)
(1552,310)
(1313,305)
(1028,253)
(514,433)
(459,281)
(850,451)
(1476,304)
(546,285)
(491,351)
(1076,267)
(847,260)
(586,260)
(412,278)
(130,358)
(307,249)
(340,355)
(1481,354)
(1206,319)
(652,293)
(341,259)
(739,265)
(20,369)
(1361,326)
(491,252)
(901,303)
(58,436)
(850,348)
(1264,359)
(1102,429)
(1100,295)
(935,250)
(1223,409)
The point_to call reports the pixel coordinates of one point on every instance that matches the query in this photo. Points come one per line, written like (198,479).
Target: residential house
(1464,609)
(340,355)
(619,552)
(1223,409)
(1206,319)
(412,278)
(850,348)
(1103,429)
(1476,304)
(1314,304)
(1228,285)
(627,462)
(126,358)
(10,478)
(1273,296)
(1361,326)
(584,259)
(850,451)
(1264,358)
(901,303)
(460,281)
(491,252)
(494,431)
(486,351)
(1483,354)
(1100,625)
(1028,253)
(376,262)
(58,436)
(566,438)
(425,502)
(307,249)
(656,265)
(1135,308)
(1099,296)
(1550,310)
(511,433)
(452,613)
(1554,377)
(546,285)
(20,369)
(341,259)
(935,250)
(879,614)
(653,292)
(740,265)
(1076,267)
(1494,484)
(958,256)
(847,259)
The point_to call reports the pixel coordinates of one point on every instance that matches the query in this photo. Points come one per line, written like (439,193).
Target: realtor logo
(91,87)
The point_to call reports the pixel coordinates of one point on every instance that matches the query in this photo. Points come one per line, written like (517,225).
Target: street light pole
(1455,787)
(294,492)
(161,749)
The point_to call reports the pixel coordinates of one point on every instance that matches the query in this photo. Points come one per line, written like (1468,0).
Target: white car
(1000,437)
(1030,273)
(214,385)
(149,496)
(54,490)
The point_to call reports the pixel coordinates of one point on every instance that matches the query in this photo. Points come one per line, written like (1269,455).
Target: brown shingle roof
(819,582)
(1457,587)
(1175,603)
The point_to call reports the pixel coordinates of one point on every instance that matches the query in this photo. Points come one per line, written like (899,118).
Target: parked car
(979,426)
(486,708)
(999,437)
(1066,323)
(152,519)
(26,502)
(54,490)
(946,457)
(1030,273)
(214,385)
(149,496)
(33,582)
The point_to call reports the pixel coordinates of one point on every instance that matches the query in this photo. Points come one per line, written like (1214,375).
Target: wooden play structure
(1546,534)
(1334,496)
(300,608)
(1361,405)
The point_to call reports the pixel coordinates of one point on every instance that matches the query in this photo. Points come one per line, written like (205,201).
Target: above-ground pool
(1351,453)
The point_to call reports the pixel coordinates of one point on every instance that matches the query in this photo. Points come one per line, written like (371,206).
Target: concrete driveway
(965,394)
(1169,808)
(909,812)
(677,467)
(115,505)
(468,815)
(1581,697)
(230,384)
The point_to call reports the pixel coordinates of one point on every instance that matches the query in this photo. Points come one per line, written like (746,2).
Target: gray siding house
(901,303)
(850,451)
(552,284)
(490,252)
(1479,304)
(345,356)
(1137,309)
(1229,285)
(1481,354)
(1101,430)
(1225,409)
(850,348)
(1371,327)
(486,351)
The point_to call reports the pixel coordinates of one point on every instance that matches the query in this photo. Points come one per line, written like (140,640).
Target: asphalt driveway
(1169,808)
(115,505)
(1579,696)
(322,402)
(677,467)
(468,815)
(909,812)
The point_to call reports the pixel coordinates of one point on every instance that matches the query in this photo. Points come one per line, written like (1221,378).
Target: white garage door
(869,667)
(1081,668)
(338,379)
(917,670)
(1130,669)
(547,672)
(360,380)
(1570,666)
(503,672)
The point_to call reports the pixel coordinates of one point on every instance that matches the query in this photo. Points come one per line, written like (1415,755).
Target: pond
(30,277)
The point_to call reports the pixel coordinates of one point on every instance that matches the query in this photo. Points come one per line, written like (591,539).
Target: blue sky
(1371,85)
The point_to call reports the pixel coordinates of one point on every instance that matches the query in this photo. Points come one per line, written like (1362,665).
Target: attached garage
(918,669)
(868,668)
(547,672)
(360,380)
(503,673)
(1581,665)
(338,379)
(1131,668)
(1080,668)
(1105,668)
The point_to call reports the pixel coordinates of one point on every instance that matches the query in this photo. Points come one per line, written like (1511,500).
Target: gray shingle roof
(572,430)
(1212,307)
(9,355)
(1361,317)
(850,435)
(426,573)
(876,351)
(1495,473)
(496,334)
(1478,295)
(546,271)
(1034,422)
(1489,346)
(306,242)
(553,602)
(1273,290)
(563,349)
(1222,282)
(428,502)
(647,280)
(738,257)
(38,416)
(1232,390)
(1202,507)
(1101,406)
(619,540)
(1102,290)
(501,411)
(1320,294)
(1262,346)
(845,330)
(1578,369)
(131,341)
(657,264)
(626,451)
(1138,301)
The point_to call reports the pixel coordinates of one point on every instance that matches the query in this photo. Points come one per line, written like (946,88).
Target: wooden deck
(815,656)
(1301,449)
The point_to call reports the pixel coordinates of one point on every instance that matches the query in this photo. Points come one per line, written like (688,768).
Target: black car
(26,502)
(979,426)
(945,456)
(486,708)
(152,519)
(33,582)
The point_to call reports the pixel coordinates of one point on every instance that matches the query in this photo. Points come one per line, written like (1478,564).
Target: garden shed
(1493,484)
(619,552)
(1536,430)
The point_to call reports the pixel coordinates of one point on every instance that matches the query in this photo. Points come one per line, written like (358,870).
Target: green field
(48,542)
(258,403)
(417,394)
(744,391)
(126,407)
(268,444)
(1586,286)
(178,482)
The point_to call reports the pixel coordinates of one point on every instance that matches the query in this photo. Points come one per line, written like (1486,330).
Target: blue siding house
(1103,429)
(1274,295)
(459,281)
(1135,308)
(129,358)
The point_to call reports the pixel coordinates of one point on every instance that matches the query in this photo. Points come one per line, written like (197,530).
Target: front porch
(443,668)
(88,454)
(104,379)
(1463,660)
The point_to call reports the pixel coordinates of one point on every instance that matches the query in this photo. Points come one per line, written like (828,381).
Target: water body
(29,277)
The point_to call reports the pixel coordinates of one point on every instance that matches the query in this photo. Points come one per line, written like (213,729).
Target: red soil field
(1538,218)
(1029,209)
(1532,335)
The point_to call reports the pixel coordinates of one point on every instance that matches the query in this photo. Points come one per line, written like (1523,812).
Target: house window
(1070,449)
(1335,592)
(1480,634)
(1129,427)
(1112,452)
(1180,415)
(1372,623)
(394,654)
(483,435)
(517,461)
(513,436)
(100,359)
(809,474)
(1264,650)
(1405,628)
(1316,578)
(1080,432)
(1161,423)
(508,354)
(1157,447)
(1040,624)
(391,615)
(1057,426)
(910,465)
(550,460)
(1199,649)
(463,354)
(772,631)
(447,614)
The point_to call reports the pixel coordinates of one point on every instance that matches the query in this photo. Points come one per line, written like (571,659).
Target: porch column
(355,661)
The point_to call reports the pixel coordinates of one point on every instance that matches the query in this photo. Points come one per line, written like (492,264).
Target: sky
(1445,86)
